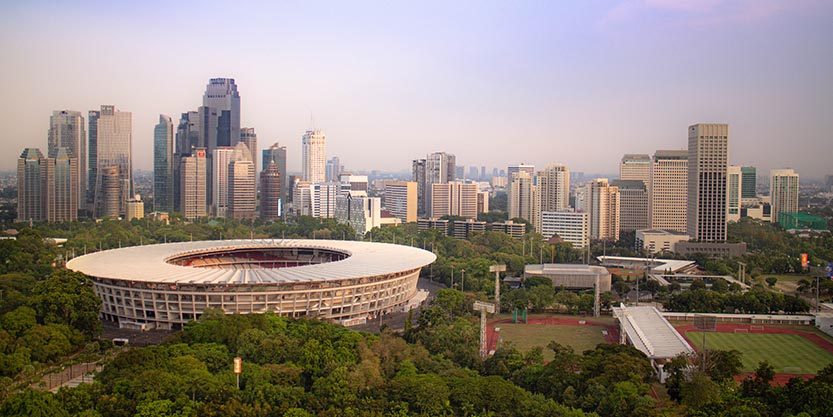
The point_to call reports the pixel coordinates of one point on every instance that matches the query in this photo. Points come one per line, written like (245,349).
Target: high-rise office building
(482,202)
(401,200)
(163,165)
(220,160)
(604,209)
(553,188)
(66,130)
(270,191)
(668,191)
(314,156)
(636,167)
(242,191)
(440,168)
(249,137)
(221,95)
(350,182)
(110,195)
(323,199)
(61,186)
(30,199)
(454,198)
(783,192)
(187,137)
(114,142)
(570,225)
(633,205)
(749,183)
(360,211)
(302,198)
(193,179)
(418,176)
(512,169)
(708,155)
(92,158)
(277,154)
(334,169)
(734,189)
(521,196)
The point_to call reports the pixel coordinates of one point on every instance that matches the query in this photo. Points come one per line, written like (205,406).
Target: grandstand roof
(650,332)
(150,263)
(657,265)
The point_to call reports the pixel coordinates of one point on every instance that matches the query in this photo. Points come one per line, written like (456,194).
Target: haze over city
(494,83)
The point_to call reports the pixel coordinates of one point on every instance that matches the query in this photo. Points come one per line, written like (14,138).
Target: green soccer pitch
(524,337)
(787,353)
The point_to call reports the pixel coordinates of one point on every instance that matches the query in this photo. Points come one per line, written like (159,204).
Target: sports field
(787,353)
(527,336)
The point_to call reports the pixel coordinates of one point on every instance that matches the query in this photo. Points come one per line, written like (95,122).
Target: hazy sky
(495,83)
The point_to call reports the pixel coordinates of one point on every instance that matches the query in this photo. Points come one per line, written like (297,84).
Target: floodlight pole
(497,269)
(483,308)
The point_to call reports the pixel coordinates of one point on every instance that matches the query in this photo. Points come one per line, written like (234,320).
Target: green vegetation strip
(524,337)
(787,353)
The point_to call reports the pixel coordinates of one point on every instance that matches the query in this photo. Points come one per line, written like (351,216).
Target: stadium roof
(650,332)
(149,263)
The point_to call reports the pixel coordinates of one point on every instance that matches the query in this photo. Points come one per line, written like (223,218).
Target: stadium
(167,285)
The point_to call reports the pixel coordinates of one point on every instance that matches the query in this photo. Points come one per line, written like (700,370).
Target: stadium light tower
(483,308)
(497,269)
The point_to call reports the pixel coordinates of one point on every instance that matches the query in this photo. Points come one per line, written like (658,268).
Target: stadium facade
(167,285)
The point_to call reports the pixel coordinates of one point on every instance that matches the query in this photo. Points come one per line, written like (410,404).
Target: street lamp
(463,280)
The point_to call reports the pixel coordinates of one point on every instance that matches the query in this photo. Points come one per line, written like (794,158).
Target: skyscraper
(270,191)
(249,137)
(401,200)
(92,158)
(187,138)
(60,191)
(110,197)
(440,168)
(114,141)
(221,94)
(163,165)
(334,169)
(242,194)
(734,186)
(313,156)
(668,191)
(708,155)
(66,130)
(604,209)
(277,154)
(553,187)
(30,199)
(418,176)
(220,160)
(749,183)
(783,192)
(635,167)
(521,196)
(454,198)
(633,205)
(193,172)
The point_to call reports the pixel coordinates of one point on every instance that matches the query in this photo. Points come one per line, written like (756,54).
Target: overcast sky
(496,83)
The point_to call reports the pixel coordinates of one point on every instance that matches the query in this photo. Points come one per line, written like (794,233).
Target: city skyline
(555,69)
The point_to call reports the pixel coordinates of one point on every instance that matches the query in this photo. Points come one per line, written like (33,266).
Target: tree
(699,391)
(67,297)
(31,403)
(771,281)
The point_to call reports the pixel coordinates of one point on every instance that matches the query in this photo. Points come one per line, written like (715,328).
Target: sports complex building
(167,285)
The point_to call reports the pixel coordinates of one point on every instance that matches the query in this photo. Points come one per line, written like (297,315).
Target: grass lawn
(527,336)
(785,352)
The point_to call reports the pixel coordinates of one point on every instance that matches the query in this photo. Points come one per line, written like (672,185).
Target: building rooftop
(650,332)
(150,263)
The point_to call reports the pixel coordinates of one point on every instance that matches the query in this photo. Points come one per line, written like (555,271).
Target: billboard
(805,261)
(829,270)
(238,365)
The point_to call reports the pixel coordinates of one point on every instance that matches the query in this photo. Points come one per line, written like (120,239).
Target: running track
(613,337)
